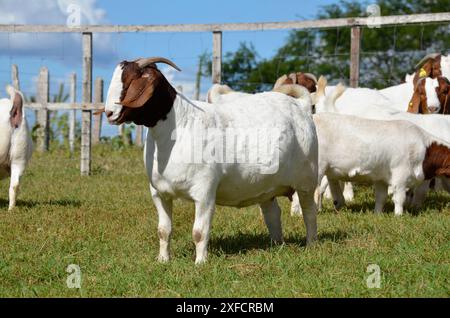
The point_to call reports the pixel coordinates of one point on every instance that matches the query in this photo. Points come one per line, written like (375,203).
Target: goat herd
(238,149)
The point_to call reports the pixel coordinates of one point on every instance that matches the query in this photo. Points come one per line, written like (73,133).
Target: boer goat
(15,141)
(140,93)
(393,154)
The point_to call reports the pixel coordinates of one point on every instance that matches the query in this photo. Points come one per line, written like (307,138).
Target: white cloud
(52,12)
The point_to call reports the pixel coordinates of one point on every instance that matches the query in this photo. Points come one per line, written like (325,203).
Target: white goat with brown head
(185,155)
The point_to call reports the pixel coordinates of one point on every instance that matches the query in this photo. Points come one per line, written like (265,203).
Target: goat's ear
(140,90)
(414,104)
(16,113)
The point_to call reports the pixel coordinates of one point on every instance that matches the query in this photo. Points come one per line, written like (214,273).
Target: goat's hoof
(200,261)
(296,211)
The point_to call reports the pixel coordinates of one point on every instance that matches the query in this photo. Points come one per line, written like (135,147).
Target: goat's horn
(280,81)
(321,84)
(143,62)
(427,57)
(11,91)
(311,76)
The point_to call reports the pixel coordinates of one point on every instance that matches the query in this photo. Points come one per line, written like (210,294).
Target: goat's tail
(436,162)
(338,91)
(216,90)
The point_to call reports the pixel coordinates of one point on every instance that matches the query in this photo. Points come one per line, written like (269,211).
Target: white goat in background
(15,141)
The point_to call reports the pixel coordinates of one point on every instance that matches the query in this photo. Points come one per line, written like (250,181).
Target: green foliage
(387,53)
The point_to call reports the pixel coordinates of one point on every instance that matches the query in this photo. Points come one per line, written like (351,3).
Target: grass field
(106,224)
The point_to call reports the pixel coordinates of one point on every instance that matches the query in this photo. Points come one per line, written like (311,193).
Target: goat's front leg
(349,195)
(272,218)
(420,194)
(204,211)
(296,208)
(16,173)
(399,198)
(164,209)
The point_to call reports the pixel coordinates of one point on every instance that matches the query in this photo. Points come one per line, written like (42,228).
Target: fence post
(42,131)
(86,115)
(72,112)
(139,130)
(15,77)
(217,57)
(97,120)
(354,55)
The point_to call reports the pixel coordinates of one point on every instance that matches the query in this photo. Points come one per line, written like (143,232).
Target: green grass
(106,223)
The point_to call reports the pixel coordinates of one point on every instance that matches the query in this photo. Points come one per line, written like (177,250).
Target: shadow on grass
(242,243)
(33,203)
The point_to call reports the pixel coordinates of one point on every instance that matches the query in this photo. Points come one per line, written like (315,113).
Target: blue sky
(61,53)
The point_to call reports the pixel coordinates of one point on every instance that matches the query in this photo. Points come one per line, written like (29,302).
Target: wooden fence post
(72,112)
(97,120)
(15,77)
(354,55)
(86,115)
(217,57)
(42,131)
(139,131)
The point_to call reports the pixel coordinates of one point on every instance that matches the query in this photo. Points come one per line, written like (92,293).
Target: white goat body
(383,153)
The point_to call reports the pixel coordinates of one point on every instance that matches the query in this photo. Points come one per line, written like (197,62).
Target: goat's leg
(419,194)
(204,211)
(320,190)
(309,214)
(336,192)
(326,189)
(164,209)
(296,208)
(399,198)
(16,173)
(272,218)
(381,194)
(349,195)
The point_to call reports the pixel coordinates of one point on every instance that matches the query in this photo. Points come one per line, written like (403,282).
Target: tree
(387,53)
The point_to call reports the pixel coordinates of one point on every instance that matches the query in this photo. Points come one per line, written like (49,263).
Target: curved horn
(143,62)
(427,57)
(280,81)
(311,76)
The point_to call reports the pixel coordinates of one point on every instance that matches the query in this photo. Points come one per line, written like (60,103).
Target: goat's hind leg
(272,218)
(16,173)
(309,214)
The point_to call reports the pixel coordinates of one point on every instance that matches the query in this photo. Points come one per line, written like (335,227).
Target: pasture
(106,224)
